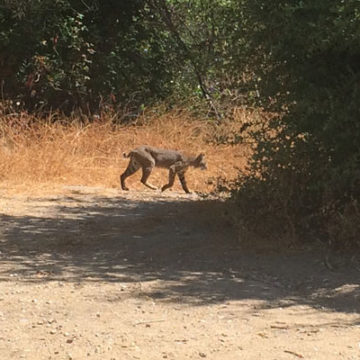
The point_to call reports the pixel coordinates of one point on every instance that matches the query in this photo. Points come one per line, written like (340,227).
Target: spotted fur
(148,157)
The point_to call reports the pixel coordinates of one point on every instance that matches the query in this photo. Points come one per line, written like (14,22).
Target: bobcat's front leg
(181,176)
(171,179)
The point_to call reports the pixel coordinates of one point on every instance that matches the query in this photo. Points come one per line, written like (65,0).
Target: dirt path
(93,273)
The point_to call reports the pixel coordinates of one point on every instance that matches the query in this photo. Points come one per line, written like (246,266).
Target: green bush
(307,66)
(79,54)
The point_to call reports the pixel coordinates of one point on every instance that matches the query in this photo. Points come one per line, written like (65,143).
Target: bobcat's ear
(201,161)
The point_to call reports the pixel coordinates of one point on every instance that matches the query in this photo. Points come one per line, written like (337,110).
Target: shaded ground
(99,274)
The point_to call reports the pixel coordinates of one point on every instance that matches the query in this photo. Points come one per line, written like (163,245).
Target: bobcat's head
(200,162)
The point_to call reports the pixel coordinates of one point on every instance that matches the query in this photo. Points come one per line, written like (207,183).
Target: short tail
(125,155)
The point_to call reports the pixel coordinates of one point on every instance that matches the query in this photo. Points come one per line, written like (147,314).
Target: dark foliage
(306,176)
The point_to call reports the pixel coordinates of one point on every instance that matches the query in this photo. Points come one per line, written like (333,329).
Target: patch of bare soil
(94,273)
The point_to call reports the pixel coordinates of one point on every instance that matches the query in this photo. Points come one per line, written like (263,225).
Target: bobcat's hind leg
(148,163)
(131,169)
(145,176)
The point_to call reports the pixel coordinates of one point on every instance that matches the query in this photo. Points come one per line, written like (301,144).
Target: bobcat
(148,157)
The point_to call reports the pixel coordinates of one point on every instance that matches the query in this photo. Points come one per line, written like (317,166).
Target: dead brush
(37,153)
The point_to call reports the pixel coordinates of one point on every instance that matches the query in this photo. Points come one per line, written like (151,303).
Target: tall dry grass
(37,154)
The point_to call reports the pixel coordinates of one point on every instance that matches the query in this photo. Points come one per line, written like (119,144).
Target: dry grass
(38,154)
